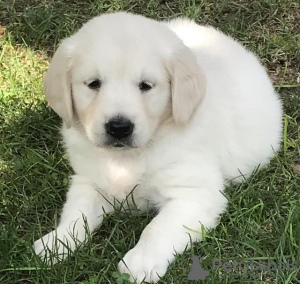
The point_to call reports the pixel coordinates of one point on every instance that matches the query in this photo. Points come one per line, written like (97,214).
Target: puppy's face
(121,94)
(120,76)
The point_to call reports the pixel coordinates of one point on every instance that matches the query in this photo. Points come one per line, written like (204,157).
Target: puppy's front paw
(54,246)
(143,264)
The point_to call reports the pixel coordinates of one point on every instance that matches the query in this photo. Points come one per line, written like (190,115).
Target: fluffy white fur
(211,115)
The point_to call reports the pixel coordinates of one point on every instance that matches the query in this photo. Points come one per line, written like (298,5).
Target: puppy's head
(120,76)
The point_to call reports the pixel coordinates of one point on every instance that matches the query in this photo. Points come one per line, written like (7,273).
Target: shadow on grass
(43,24)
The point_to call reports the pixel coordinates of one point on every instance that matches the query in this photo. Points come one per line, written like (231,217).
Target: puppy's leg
(171,230)
(82,212)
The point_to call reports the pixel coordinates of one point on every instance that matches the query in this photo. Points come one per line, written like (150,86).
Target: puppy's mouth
(119,144)
(114,144)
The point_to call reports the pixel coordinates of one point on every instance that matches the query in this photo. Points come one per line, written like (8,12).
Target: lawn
(263,217)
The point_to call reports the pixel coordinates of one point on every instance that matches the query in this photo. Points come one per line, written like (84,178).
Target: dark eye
(145,86)
(95,84)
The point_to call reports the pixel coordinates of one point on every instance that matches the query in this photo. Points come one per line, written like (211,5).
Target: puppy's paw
(143,264)
(54,246)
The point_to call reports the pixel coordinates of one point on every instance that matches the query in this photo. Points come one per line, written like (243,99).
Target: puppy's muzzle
(119,128)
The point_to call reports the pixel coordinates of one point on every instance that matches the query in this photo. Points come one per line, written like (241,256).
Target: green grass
(263,217)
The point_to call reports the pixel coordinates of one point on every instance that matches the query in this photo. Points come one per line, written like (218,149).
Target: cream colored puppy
(171,109)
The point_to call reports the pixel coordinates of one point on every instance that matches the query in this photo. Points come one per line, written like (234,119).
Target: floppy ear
(57,83)
(188,85)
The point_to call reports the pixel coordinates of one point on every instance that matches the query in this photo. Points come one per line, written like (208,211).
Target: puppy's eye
(145,86)
(95,84)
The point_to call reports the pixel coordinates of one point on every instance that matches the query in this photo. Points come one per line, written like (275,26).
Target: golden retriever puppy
(170,109)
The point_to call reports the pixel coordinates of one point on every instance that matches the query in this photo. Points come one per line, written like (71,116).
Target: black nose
(119,127)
